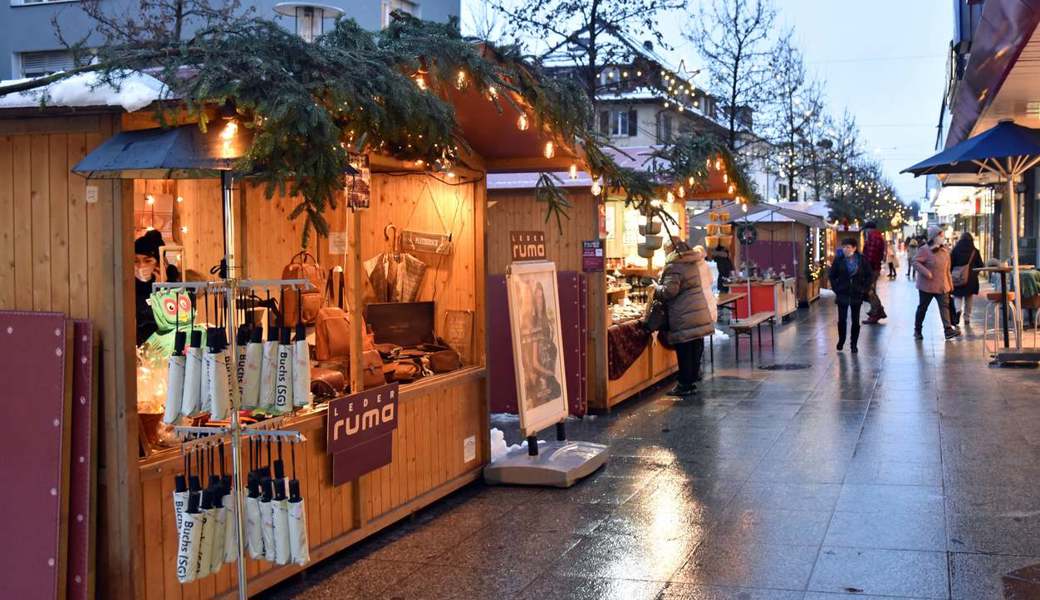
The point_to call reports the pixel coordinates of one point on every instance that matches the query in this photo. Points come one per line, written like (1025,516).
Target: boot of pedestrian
(872,320)
(952,333)
(917,335)
(681,390)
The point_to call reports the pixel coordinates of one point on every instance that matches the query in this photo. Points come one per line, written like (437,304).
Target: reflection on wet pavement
(907,471)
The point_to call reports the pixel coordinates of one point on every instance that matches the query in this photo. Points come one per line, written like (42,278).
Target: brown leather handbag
(303,302)
(332,327)
(372,367)
(327,383)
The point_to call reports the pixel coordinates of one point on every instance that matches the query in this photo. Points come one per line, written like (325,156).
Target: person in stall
(147,269)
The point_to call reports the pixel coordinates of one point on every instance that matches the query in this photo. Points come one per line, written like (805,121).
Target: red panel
(81,489)
(34,359)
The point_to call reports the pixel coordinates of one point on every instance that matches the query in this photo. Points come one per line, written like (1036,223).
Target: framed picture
(534,319)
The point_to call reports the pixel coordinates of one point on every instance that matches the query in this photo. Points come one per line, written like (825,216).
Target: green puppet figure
(173,311)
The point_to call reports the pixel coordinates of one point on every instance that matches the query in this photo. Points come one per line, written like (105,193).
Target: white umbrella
(269,369)
(175,372)
(205,548)
(297,517)
(301,365)
(188,540)
(267,518)
(190,403)
(253,369)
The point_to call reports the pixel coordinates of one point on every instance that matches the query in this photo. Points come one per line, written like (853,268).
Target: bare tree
(795,114)
(596,33)
(158,23)
(483,22)
(732,37)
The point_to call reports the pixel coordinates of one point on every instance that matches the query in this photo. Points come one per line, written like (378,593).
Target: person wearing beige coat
(685,289)
(934,281)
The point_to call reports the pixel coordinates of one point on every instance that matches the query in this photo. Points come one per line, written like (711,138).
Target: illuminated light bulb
(451,174)
(639,73)
(624,73)
(731,189)
(179,199)
(670,197)
(725,178)
(573,172)
(522,124)
(718,164)
(682,192)
(229,131)
(420,162)
(493,91)
(690,180)
(149,228)
(460,79)
(550,149)
(420,81)
(184,229)
(149,199)
(596,188)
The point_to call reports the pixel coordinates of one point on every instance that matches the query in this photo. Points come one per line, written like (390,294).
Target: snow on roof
(133,93)
(635,157)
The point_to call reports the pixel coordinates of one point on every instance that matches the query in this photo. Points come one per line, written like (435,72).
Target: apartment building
(29,45)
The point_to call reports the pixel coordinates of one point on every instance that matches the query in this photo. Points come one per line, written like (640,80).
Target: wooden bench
(747,327)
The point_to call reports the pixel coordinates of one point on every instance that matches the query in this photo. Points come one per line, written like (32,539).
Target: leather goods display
(327,383)
(303,266)
(372,366)
(332,327)
(406,324)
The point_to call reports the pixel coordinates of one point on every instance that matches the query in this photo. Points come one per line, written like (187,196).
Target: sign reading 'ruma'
(527,245)
(359,432)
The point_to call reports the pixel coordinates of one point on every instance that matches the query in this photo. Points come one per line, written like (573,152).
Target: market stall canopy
(763,213)
(184,152)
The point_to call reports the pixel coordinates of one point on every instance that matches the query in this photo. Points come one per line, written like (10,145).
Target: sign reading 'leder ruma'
(359,432)
(527,245)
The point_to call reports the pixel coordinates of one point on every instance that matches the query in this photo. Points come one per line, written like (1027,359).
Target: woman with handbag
(964,259)
(685,291)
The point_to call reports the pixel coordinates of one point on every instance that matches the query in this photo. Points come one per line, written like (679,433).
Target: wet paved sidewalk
(909,471)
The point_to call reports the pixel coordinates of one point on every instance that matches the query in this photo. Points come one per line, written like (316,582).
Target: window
(618,123)
(36,64)
(664,128)
(781,190)
(406,6)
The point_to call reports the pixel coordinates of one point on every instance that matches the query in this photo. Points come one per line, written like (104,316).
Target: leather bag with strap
(307,303)
(961,274)
(332,327)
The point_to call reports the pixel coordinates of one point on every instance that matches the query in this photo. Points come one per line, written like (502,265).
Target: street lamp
(310,18)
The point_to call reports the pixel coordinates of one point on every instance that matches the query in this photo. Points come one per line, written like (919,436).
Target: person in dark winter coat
(851,277)
(146,272)
(966,255)
(724,265)
(690,319)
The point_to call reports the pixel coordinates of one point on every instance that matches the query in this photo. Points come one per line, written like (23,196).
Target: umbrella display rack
(235,433)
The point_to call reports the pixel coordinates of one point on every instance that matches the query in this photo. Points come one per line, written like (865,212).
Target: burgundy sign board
(82,480)
(36,371)
(527,245)
(359,432)
(592,256)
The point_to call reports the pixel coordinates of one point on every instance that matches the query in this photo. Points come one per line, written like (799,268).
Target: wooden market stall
(616,288)
(66,245)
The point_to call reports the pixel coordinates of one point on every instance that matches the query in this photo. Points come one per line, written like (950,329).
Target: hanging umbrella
(188,541)
(301,364)
(191,404)
(254,535)
(283,374)
(1007,150)
(297,515)
(206,538)
(231,531)
(175,372)
(269,367)
(267,517)
(253,368)
(218,373)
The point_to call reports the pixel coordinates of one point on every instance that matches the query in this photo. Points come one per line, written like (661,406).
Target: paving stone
(881,572)
(782,567)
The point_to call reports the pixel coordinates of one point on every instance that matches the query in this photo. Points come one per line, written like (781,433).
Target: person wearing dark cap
(146,270)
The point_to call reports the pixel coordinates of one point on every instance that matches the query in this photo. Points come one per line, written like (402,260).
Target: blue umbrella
(1007,150)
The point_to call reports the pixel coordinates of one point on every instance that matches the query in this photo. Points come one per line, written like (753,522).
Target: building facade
(30,46)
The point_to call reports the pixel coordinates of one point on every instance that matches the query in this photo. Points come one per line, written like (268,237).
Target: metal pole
(229,274)
(1013,203)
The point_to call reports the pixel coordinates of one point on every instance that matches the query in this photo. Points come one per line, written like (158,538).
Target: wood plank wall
(517,210)
(59,253)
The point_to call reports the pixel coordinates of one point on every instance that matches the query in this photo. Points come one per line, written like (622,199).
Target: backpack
(303,302)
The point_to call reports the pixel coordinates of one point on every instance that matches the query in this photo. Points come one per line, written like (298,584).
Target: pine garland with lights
(309,105)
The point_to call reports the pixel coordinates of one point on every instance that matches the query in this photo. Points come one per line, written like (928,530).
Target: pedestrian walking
(912,244)
(964,259)
(724,266)
(892,258)
(850,278)
(874,253)
(934,282)
(685,290)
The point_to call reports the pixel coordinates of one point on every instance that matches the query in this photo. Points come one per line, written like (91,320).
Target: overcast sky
(884,60)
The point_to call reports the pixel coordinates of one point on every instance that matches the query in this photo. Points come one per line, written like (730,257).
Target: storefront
(71,246)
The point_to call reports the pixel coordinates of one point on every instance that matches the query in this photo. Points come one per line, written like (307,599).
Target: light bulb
(670,197)
(690,180)
(460,79)
(731,189)
(493,91)
(550,149)
(521,123)
(682,192)
(420,81)
(573,172)
(725,178)
(179,199)
(149,199)
(184,229)
(743,207)
(229,131)
(596,188)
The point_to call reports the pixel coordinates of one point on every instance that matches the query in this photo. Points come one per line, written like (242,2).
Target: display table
(652,365)
(776,296)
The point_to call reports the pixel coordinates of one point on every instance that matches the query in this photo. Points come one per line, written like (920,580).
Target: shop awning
(184,152)
(763,213)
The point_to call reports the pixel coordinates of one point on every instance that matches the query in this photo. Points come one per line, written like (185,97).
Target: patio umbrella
(1007,150)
